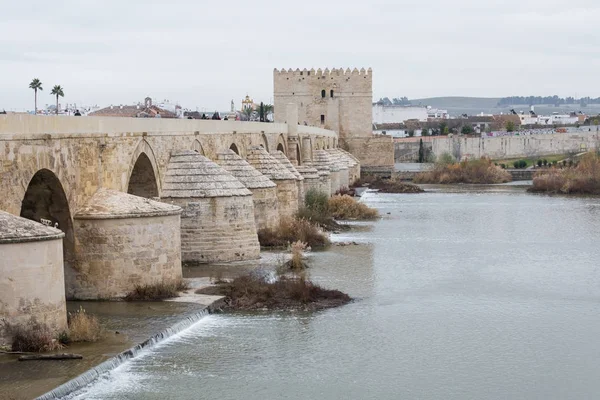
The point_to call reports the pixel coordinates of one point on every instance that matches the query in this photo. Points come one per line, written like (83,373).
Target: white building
(396,114)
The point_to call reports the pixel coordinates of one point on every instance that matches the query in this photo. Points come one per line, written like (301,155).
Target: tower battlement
(322,72)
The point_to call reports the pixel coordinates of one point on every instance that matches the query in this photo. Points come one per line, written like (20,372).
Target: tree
(444,130)
(248,111)
(262,112)
(36,85)
(466,130)
(424,132)
(421,151)
(510,126)
(268,109)
(58,92)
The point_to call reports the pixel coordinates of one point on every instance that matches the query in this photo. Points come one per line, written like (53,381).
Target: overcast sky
(205,53)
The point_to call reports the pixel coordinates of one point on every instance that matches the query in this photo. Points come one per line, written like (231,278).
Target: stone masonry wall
(217,229)
(32,284)
(266,207)
(113,255)
(287,195)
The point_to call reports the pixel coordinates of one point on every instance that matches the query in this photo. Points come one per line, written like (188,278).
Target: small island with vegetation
(581,177)
(318,216)
(479,171)
(387,185)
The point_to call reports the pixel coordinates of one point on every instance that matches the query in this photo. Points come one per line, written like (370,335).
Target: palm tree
(36,85)
(57,91)
(248,111)
(267,109)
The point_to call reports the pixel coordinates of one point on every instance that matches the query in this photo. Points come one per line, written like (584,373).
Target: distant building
(148,110)
(393,114)
(248,103)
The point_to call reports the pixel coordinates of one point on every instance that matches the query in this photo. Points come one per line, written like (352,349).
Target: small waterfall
(91,375)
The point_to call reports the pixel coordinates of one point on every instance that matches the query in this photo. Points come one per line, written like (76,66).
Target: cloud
(203,54)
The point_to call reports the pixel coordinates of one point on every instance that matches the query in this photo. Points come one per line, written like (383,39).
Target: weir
(91,375)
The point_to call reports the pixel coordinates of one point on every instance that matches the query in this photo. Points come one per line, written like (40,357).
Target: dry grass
(582,179)
(157,291)
(257,291)
(34,337)
(291,230)
(297,263)
(83,327)
(388,185)
(346,207)
(482,171)
(316,210)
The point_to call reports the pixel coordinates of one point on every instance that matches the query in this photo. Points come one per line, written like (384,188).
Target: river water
(462,293)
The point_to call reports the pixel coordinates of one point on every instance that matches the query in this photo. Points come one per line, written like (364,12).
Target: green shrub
(545,162)
(516,164)
(539,163)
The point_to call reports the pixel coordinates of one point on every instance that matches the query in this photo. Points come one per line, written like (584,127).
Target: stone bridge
(136,197)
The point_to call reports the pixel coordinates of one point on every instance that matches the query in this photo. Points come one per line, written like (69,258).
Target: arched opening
(45,201)
(331,93)
(280,148)
(265,144)
(298,155)
(323,93)
(143,181)
(198,147)
(234,148)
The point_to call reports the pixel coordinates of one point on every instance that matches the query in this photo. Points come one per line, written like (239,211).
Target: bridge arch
(235,148)
(281,144)
(197,147)
(298,154)
(45,201)
(143,173)
(265,142)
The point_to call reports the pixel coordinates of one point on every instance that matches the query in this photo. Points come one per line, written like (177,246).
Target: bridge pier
(32,283)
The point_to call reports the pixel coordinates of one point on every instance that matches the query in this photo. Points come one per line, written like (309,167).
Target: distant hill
(458,102)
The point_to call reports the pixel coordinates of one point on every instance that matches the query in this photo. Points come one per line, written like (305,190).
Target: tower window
(331,93)
(322,119)
(323,93)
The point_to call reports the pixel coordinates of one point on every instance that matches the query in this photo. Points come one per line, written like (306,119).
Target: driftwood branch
(64,356)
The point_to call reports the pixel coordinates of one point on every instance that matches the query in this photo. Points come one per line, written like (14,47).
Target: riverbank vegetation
(318,215)
(347,208)
(387,185)
(157,291)
(480,171)
(291,230)
(260,291)
(37,337)
(33,337)
(582,178)
(83,327)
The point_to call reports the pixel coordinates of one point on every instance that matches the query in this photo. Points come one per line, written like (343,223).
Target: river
(462,293)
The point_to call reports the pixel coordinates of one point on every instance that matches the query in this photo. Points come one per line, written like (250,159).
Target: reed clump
(479,171)
(347,208)
(157,291)
(583,178)
(33,337)
(291,230)
(83,327)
